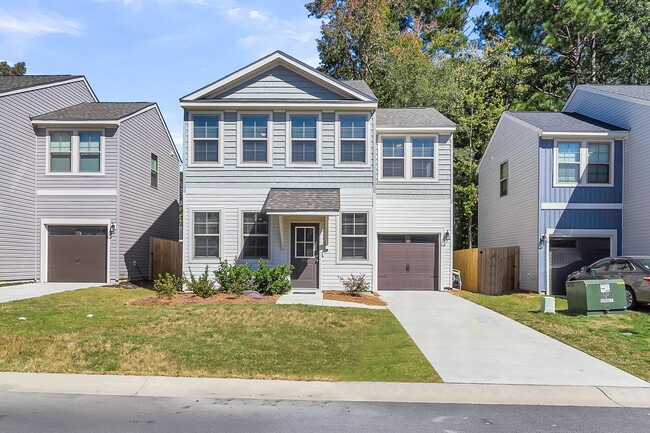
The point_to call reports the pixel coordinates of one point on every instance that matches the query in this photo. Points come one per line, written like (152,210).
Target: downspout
(118,200)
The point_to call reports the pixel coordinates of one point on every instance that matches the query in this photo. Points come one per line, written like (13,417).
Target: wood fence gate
(166,257)
(492,271)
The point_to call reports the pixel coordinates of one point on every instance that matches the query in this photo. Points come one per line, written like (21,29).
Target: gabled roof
(94,111)
(412,118)
(632,91)
(564,123)
(10,84)
(350,90)
(361,86)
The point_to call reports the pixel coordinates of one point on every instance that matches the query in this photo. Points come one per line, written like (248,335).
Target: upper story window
(352,139)
(583,163)
(206,138)
(255,138)
(75,152)
(408,157)
(304,139)
(256,236)
(154,171)
(503,179)
(206,234)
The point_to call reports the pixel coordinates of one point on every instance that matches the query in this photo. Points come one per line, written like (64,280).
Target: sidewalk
(316,298)
(34,290)
(324,391)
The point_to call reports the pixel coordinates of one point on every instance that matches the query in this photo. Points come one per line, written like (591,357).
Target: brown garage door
(76,254)
(408,262)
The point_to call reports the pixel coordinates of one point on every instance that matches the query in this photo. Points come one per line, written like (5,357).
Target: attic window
(503,179)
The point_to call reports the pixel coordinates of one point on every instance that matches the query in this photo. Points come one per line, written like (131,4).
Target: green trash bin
(594,297)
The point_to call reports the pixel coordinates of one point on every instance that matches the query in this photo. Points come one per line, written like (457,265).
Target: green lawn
(603,337)
(246,341)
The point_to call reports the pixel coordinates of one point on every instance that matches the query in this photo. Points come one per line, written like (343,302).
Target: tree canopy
(17,69)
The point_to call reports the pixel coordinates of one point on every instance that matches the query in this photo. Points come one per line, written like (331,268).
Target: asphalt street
(59,413)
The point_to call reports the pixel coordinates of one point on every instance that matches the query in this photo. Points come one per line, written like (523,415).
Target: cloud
(233,13)
(34,24)
(257,15)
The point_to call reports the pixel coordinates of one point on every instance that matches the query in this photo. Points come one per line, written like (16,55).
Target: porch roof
(308,201)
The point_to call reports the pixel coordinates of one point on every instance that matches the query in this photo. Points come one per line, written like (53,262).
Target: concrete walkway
(317,299)
(467,343)
(155,386)
(34,290)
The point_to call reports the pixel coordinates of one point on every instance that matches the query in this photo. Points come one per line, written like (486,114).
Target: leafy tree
(17,69)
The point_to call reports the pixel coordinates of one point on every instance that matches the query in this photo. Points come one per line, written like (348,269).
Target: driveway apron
(34,290)
(467,343)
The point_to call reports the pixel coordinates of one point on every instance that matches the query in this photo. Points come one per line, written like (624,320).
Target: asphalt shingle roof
(303,199)
(563,122)
(412,118)
(632,91)
(94,111)
(9,83)
(360,86)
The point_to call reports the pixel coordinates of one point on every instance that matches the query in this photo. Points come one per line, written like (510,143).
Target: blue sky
(152,50)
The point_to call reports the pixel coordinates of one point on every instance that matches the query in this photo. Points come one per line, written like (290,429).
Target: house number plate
(607,300)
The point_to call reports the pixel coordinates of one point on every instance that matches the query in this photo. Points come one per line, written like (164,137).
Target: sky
(152,50)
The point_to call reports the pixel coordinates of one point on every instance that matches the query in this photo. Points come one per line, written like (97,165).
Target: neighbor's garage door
(408,262)
(76,254)
(570,254)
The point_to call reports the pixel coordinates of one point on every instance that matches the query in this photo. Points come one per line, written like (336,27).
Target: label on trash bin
(604,287)
(606,300)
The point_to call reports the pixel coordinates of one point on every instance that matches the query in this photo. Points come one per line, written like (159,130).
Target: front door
(304,255)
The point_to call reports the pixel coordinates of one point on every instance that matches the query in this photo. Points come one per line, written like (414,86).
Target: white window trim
(584,162)
(315,241)
(74,148)
(369,239)
(193,258)
(507,179)
(242,236)
(269,140)
(289,147)
(408,158)
(337,140)
(190,140)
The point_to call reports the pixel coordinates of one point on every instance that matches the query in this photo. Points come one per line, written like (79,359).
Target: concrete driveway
(34,290)
(467,343)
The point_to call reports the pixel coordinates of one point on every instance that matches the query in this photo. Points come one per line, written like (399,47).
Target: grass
(602,337)
(293,342)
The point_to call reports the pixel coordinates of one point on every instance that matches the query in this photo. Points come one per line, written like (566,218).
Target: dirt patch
(192,299)
(366,298)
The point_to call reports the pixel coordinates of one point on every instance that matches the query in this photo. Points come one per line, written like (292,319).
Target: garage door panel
(407,262)
(77,254)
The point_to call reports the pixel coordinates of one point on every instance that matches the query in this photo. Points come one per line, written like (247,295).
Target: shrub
(274,280)
(236,278)
(202,286)
(167,285)
(355,285)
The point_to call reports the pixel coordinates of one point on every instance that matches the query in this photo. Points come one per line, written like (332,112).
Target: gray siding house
(87,183)
(288,165)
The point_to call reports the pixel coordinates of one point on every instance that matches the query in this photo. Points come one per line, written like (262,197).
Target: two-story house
(286,164)
(86,183)
(552,184)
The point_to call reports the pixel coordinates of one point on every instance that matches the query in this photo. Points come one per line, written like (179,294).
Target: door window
(600,265)
(305,238)
(621,265)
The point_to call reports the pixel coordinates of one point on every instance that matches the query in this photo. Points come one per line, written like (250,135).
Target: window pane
(303,151)
(393,168)
(598,152)
(423,168)
(206,150)
(256,223)
(206,246)
(154,179)
(354,248)
(354,224)
(254,126)
(256,247)
(353,126)
(303,126)
(89,141)
(62,231)
(568,152)
(394,147)
(206,223)
(89,163)
(568,173)
(254,150)
(60,141)
(154,162)
(353,151)
(206,126)
(598,173)
(60,163)
(503,187)
(504,170)
(423,147)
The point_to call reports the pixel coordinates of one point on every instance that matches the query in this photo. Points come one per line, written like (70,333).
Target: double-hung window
(90,152)
(393,157)
(503,179)
(206,138)
(255,138)
(206,234)
(583,163)
(154,170)
(568,157)
(352,139)
(304,139)
(408,157)
(75,152)
(256,236)
(598,162)
(423,149)
(354,236)
(61,152)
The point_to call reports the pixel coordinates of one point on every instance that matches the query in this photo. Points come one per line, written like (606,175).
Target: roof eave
(585,134)
(84,123)
(416,129)
(316,104)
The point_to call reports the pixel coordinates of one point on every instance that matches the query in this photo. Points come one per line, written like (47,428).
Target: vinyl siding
(636,117)
(144,211)
(511,220)
(19,245)
(279,83)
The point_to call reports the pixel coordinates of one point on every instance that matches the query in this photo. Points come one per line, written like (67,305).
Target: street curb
(157,386)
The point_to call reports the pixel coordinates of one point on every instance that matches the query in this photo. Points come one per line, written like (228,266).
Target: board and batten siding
(19,244)
(144,211)
(636,117)
(279,82)
(511,220)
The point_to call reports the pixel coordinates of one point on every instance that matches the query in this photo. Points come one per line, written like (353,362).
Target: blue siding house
(552,184)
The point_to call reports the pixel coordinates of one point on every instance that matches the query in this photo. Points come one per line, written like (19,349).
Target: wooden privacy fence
(491,271)
(166,257)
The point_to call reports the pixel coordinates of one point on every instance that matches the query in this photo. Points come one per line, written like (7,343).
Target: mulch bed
(192,299)
(365,298)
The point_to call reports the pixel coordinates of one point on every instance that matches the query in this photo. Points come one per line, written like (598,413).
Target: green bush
(236,278)
(167,285)
(202,286)
(273,281)
(355,285)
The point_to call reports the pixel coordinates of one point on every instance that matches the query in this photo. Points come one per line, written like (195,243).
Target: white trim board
(423,130)
(594,206)
(226,105)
